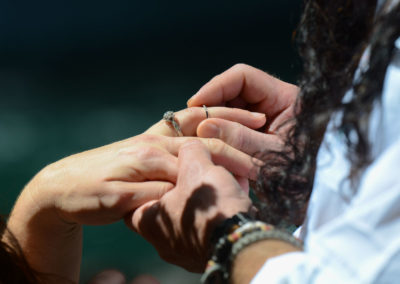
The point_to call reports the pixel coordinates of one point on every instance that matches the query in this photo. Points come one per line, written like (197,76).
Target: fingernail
(258,115)
(213,131)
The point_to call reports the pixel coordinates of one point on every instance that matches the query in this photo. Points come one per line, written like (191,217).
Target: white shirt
(352,238)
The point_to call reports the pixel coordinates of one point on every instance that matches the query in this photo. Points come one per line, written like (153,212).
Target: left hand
(179,225)
(102,185)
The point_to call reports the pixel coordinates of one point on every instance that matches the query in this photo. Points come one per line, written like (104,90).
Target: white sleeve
(361,246)
(353,241)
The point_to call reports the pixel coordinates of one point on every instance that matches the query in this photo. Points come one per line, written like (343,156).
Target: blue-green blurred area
(79,74)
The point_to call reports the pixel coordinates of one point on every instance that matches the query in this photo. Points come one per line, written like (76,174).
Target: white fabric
(352,238)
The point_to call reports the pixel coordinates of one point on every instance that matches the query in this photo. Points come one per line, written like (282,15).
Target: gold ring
(169,117)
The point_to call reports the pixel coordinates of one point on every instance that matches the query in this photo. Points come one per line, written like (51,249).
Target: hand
(102,185)
(190,118)
(180,223)
(246,87)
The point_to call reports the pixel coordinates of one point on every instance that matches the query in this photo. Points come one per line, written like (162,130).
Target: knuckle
(147,152)
(216,145)
(150,138)
(235,136)
(110,200)
(116,191)
(240,66)
(187,113)
(191,143)
(215,78)
(137,144)
(146,146)
(240,141)
(164,188)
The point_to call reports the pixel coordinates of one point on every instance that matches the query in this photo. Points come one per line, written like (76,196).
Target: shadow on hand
(181,235)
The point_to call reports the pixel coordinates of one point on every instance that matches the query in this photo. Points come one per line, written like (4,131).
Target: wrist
(224,224)
(50,244)
(42,194)
(235,236)
(251,259)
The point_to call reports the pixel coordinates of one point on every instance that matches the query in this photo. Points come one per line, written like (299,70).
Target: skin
(104,185)
(246,87)
(241,86)
(252,258)
(142,178)
(179,224)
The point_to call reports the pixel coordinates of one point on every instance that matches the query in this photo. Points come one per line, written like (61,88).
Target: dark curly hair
(331,38)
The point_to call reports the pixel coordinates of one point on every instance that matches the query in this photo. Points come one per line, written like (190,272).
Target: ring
(169,117)
(206,110)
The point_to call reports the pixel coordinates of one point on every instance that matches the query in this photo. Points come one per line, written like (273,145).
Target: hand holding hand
(246,87)
(102,185)
(179,225)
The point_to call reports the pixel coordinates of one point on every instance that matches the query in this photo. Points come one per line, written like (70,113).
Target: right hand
(179,225)
(246,87)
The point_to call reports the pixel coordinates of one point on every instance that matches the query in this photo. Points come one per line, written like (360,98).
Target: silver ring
(169,117)
(206,110)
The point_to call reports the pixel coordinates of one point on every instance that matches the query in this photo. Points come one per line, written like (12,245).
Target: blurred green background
(80,74)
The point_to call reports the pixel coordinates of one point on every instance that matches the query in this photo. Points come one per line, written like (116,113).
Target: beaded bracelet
(240,231)
(263,235)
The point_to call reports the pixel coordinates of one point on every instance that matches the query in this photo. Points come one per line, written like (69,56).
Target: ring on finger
(206,110)
(169,117)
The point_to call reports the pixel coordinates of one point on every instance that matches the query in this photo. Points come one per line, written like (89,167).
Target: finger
(188,120)
(156,164)
(145,213)
(204,181)
(251,84)
(234,160)
(244,183)
(194,159)
(284,122)
(238,136)
(142,158)
(131,195)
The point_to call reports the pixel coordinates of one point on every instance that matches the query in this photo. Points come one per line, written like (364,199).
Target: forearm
(252,258)
(50,245)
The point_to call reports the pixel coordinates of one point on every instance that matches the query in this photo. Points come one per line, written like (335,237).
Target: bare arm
(252,258)
(102,185)
(51,245)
